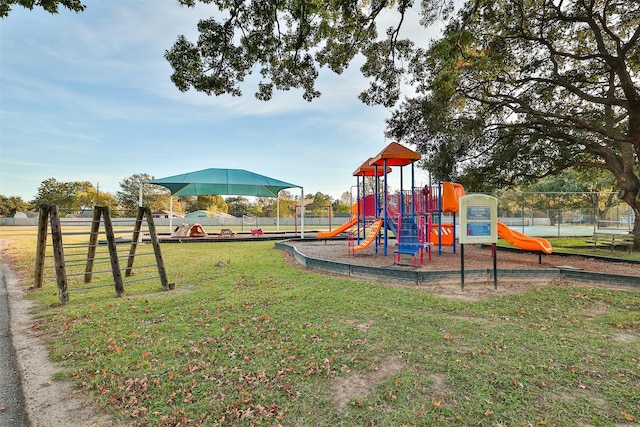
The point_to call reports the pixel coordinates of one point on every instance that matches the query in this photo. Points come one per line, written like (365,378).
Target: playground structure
(413,217)
(189,230)
(418,218)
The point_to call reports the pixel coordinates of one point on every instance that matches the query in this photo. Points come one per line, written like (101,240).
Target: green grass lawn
(246,339)
(580,245)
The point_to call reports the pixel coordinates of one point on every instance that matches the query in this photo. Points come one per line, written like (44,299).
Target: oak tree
(521,89)
(51,6)
(513,90)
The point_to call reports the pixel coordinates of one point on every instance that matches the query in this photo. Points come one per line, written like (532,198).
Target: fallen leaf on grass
(628,417)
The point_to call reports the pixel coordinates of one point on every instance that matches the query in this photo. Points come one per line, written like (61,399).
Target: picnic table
(611,240)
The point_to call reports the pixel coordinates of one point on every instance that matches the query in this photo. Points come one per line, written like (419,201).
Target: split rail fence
(82,263)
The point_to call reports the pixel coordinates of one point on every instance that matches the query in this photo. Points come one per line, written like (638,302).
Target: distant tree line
(591,188)
(82,196)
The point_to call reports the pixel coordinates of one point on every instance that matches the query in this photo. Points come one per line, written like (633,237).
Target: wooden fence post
(156,249)
(113,251)
(58,256)
(93,244)
(134,242)
(41,249)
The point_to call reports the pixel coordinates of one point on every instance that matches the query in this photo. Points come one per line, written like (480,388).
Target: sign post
(478,224)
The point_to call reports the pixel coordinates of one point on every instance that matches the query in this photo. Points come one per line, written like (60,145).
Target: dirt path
(12,410)
(48,403)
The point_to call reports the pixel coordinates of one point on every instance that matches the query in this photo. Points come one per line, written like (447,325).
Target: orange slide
(371,236)
(344,227)
(451,193)
(522,241)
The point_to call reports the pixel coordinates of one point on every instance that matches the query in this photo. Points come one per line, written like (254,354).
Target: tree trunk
(629,185)
(636,227)
(634,203)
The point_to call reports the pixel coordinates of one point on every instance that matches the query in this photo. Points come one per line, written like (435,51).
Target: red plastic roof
(395,155)
(367,170)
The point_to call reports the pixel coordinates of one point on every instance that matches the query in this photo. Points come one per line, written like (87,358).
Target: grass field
(579,245)
(247,339)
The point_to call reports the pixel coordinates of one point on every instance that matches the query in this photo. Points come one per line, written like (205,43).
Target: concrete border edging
(427,277)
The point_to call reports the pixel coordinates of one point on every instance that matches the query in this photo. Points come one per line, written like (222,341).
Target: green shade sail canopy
(236,182)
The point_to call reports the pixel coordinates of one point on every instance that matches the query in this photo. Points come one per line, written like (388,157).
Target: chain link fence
(565,211)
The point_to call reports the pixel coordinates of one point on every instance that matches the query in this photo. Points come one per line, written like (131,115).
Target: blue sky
(88,97)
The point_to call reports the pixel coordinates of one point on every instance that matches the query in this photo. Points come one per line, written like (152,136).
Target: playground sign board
(478,219)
